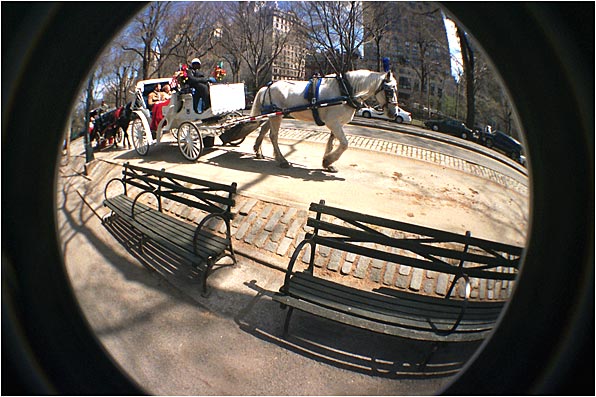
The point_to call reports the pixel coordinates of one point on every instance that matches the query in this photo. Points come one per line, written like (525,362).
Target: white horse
(286,95)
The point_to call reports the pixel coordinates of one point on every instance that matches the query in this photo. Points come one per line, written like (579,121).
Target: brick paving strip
(269,232)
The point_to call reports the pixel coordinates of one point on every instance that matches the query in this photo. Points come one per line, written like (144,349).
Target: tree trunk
(468,59)
(88,149)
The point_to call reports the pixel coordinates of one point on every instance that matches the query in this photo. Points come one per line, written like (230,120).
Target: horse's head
(386,95)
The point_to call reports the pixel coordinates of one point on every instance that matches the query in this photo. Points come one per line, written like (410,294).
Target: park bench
(452,318)
(192,242)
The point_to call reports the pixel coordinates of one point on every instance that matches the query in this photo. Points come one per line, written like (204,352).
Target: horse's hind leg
(273,134)
(257,147)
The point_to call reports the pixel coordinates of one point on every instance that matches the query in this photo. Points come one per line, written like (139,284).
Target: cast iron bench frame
(392,311)
(196,244)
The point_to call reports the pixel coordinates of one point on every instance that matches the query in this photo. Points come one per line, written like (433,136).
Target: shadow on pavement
(314,338)
(350,348)
(248,163)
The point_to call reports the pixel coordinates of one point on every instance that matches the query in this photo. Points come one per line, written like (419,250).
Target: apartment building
(290,63)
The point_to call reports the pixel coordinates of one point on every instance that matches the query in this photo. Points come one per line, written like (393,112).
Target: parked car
(450,126)
(505,143)
(402,115)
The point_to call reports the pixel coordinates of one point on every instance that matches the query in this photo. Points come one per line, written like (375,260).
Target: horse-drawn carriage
(110,126)
(193,131)
(328,100)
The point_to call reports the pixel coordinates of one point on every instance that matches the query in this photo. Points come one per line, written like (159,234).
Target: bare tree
(120,70)
(189,33)
(146,28)
(88,104)
(424,45)
(249,32)
(333,31)
(467,54)
(378,18)
(230,44)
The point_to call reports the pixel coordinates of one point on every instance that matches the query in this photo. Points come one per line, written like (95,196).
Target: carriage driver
(198,81)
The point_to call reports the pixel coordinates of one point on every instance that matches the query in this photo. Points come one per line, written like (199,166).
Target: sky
(454,48)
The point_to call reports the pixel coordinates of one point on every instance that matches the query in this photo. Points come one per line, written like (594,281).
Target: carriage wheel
(190,141)
(138,137)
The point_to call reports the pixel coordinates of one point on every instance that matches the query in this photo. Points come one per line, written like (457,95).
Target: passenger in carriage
(198,81)
(154,97)
(166,92)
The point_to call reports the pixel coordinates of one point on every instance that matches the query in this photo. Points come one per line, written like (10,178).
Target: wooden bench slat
(414,262)
(176,234)
(200,194)
(384,308)
(418,322)
(321,311)
(202,182)
(180,235)
(448,306)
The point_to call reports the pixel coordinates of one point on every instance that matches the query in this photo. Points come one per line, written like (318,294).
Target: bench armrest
(105,190)
(293,259)
(205,220)
(134,203)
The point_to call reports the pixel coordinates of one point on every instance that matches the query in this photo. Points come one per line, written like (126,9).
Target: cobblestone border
(274,230)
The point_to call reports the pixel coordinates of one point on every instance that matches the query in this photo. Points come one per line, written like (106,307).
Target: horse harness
(311,94)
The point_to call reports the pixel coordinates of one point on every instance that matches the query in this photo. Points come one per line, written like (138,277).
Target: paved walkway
(409,151)
(147,310)
(267,229)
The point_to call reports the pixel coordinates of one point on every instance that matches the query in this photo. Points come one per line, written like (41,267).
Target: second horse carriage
(193,131)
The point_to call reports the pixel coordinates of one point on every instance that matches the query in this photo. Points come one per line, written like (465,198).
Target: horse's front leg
(273,135)
(257,147)
(331,156)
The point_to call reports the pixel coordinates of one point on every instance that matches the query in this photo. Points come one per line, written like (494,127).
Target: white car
(402,115)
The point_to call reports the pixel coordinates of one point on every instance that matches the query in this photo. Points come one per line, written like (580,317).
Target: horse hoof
(285,164)
(331,169)
(259,156)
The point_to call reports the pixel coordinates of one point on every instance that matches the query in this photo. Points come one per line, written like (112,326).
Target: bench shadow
(246,162)
(153,256)
(312,337)
(351,348)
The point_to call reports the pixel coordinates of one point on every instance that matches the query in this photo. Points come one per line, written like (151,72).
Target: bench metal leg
(433,350)
(142,239)
(287,322)
(204,274)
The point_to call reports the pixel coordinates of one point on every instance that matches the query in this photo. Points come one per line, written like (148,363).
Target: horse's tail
(258,102)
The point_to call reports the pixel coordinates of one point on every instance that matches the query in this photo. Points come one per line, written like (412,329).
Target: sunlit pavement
(173,341)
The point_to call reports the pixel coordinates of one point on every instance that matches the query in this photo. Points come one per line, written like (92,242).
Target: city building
(290,63)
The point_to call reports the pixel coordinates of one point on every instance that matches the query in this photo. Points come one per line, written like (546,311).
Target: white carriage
(193,131)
